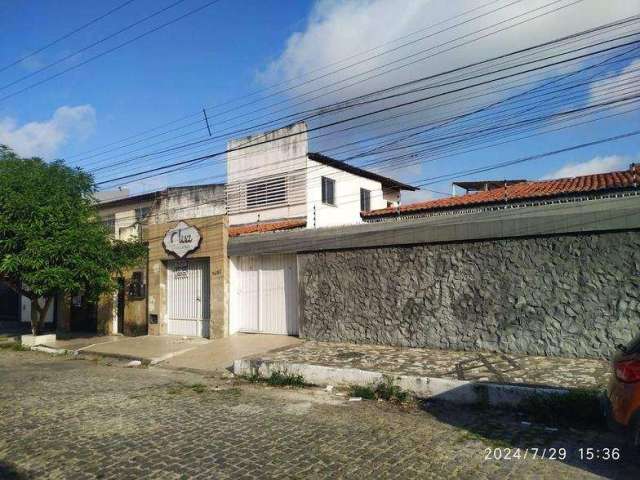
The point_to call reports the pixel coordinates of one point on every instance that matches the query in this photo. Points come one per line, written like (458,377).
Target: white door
(265,294)
(188,298)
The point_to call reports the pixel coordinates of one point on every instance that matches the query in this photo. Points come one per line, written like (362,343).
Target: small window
(136,287)
(267,193)
(110,223)
(328,191)
(141,213)
(365,200)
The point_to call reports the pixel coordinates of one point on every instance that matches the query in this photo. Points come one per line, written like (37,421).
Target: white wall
(347,196)
(125,218)
(284,155)
(197,201)
(26,311)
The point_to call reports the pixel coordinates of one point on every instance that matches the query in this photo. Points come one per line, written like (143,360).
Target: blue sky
(235,47)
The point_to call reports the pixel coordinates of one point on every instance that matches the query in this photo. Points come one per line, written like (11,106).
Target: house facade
(272,177)
(532,267)
(171,290)
(274,184)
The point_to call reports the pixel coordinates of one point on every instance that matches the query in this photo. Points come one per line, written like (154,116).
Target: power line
(66,35)
(536,101)
(586,108)
(167,211)
(374,112)
(495,166)
(300,115)
(112,49)
(371,70)
(326,108)
(288,80)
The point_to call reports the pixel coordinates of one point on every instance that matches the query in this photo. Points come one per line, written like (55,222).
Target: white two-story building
(272,177)
(275,183)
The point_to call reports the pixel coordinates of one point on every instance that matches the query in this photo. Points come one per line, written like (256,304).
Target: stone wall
(572,295)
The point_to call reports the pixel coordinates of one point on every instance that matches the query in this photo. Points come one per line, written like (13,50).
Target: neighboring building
(133,309)
(274,179)
(538,268)
(274,183)
(500,194)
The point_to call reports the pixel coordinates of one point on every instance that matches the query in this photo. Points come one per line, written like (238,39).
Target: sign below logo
(182,239)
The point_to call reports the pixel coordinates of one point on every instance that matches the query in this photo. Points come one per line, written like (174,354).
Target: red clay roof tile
(267,227)
(523,191)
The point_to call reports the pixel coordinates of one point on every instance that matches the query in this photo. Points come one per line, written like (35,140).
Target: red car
(624,391)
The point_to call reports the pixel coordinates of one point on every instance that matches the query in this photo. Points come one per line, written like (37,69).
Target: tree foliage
(52,240)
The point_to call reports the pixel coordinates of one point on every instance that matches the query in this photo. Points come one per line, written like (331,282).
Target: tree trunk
(38,314)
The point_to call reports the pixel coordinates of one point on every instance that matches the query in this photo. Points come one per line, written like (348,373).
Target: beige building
(188,277)
(173,290)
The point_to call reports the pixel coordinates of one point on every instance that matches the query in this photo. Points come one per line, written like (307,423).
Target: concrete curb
(84,352)
(51,350)
(455,391)
(115,356)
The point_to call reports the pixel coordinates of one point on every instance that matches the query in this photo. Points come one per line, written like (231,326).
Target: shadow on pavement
(9,472)
(502,429)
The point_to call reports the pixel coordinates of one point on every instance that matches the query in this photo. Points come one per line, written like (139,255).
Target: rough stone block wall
(573,295)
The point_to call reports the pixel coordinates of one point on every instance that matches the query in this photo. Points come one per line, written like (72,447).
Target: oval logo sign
(182,239)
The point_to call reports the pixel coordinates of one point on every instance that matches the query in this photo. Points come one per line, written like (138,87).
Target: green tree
(52,241)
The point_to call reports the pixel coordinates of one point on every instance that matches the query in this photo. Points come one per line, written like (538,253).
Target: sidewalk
(464,378)
(219,354)
(182,353)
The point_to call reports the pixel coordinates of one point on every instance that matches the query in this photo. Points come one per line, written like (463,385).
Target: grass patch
(182,388)
(278,378)
(198,387)
(580,407)
(285,379)
(253,378)
(386,389)
(15,346)
(365,392)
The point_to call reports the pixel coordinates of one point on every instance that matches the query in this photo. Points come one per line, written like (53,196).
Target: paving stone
(430,362)
(65,418)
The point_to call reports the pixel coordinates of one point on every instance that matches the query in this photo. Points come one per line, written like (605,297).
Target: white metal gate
(188,298)
(265,294)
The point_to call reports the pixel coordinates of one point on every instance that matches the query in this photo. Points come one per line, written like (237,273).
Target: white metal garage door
(188,298)
(265,294)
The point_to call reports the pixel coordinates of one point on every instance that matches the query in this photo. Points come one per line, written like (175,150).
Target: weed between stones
(15,346)
(278,378)
(386,389)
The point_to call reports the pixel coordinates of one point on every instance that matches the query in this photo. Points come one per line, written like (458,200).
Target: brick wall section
(573,295)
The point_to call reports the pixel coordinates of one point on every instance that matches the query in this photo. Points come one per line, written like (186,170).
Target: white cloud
(44,139)
(339,29)
(342,29)
(417,196)
(595,165)
(616,85)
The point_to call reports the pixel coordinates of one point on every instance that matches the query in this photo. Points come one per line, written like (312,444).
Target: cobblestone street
(64,418)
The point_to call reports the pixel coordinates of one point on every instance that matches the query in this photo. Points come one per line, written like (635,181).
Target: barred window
(109,222)
(267,193)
